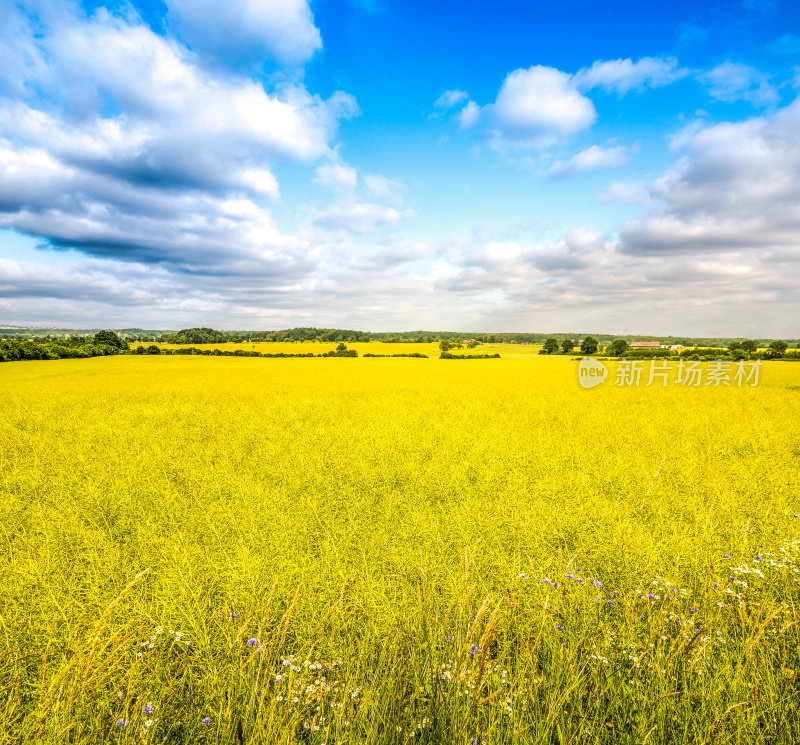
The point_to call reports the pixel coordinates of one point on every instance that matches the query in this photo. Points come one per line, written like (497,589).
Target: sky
(380,165)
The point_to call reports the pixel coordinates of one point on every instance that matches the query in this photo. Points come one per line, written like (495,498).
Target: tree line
(735,350)
(105,343)
(205,335)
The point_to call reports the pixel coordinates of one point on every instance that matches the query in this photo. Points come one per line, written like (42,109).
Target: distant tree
(341,347)
(776,349)
(734,346)
(109,338)
(445,344)
(153,349)
(550,346)
(567,346)
(618,347)
(749,346)
(473,344)
(589,345)
(198,336)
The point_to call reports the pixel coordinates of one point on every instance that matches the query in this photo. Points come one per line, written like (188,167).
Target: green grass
(370,522)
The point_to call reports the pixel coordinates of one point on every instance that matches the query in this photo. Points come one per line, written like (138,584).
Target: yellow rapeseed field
(243,550)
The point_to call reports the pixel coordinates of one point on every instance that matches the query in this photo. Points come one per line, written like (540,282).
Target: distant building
(650,344)
(467,342)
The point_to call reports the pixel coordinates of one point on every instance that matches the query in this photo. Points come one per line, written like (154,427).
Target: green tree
(618,347)
(776,349)
(567,346)
(550,346)
(749,346)
(589,345)
(445,344)
(109,338)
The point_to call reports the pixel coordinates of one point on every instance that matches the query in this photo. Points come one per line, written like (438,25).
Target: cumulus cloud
(469,115)
(625,192)
(733,81)
(537,105)
(360,217)
(120,145)
(734,186)
(239,31)
(336,175)
(624,75)
(592,158)
(384,189)
(449,99)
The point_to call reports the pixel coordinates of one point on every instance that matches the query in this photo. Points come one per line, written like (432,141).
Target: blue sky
(381,165)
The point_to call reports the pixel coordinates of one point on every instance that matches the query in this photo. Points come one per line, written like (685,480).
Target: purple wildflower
(472,650)
(650,595)
(523,575)
(692,609)
(570,576)
(205,720)
(726,556)
(546,581)
(472,740)
(149,708)
(233,615)
(716,584)
(597,583)
(252,641)
(559,628)
(578,579)
(611,602)
(122,722)
(758,558)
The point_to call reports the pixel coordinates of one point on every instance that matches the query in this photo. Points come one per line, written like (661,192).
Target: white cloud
(734,186)
(592,159)
(336,175)
(733,81)
(469,115)
(239,30)
(165,176)
(537,105)
(624,75)
(384,189)
(449,99)
(625,192)
(360,217)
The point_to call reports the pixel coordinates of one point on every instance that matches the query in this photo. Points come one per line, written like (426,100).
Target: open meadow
(239,550)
